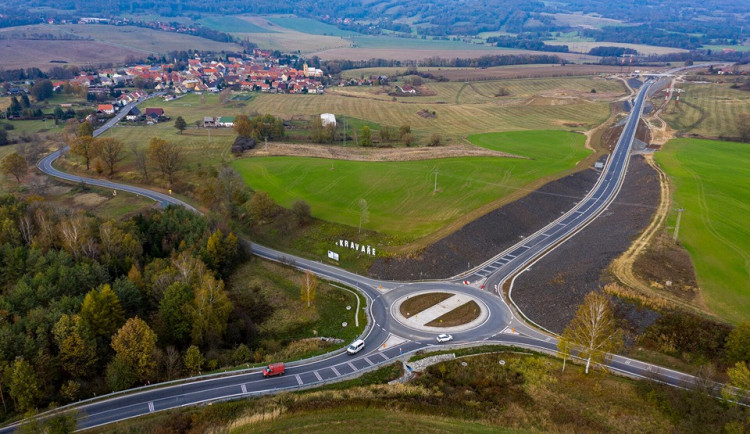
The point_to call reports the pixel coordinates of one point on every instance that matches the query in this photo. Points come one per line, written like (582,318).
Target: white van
(356,346)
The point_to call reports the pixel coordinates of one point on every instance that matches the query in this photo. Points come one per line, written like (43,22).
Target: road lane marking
(299,380)
(368,361)
(151,406)
(244,388)
(318,376)
(335,371)
(351,366)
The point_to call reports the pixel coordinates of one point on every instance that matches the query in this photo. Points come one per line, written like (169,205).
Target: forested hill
(697,22)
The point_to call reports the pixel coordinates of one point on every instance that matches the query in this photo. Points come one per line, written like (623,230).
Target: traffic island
(440,311)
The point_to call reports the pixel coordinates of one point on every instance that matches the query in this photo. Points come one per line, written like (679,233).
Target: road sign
(333,255)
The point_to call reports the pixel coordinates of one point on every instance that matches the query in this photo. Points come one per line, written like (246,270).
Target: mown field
(400,195)
(710,110)
(711,180)
(462,109)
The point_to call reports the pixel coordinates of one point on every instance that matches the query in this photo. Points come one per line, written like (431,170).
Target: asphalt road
(503,266)
(500,327)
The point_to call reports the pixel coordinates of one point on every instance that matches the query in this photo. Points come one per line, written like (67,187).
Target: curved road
(500,327)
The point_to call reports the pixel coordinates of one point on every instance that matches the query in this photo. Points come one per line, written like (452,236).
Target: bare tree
(167,157)
(141,160)
(110,153)
(309,284)
(593,329)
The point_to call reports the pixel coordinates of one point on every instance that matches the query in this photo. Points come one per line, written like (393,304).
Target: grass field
(586,46)
(461,110)
(309,25)
(400,195)
(711,180)
(103,44)
(230,24)
(710,110)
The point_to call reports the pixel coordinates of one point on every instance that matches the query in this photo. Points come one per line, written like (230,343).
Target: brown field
(586,46)
(25,53)
(102,44)
(520,71)
(404,54)
(285,39)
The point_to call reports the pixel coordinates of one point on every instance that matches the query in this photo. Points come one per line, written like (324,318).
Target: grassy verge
(413,305)
(286,326)
(527,393)
(710,180)
(463,314)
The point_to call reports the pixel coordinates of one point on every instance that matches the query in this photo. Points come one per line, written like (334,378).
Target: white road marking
(368,361)
(318,376)
(351,366)
(335,371)
(151,406)
(244,388)
(299,380)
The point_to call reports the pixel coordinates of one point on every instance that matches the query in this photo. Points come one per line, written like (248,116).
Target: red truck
(274,369)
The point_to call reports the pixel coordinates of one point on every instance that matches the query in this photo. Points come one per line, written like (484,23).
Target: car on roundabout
(444,338)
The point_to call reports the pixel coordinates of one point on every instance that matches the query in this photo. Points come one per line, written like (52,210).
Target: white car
(356,347)
(444,338)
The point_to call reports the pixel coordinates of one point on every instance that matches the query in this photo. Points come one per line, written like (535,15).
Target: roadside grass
(710,180)
(400,195)
(288,326)
(379,420)
(414,305)
(463,314)
(528,393)
(709,110)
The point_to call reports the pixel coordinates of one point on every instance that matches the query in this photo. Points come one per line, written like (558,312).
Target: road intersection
(387,336)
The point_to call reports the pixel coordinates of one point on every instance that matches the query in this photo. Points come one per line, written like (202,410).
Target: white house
(328,119)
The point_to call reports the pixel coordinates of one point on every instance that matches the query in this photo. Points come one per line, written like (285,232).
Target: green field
(711,180)
(400,194)
(710,110)
(309,25)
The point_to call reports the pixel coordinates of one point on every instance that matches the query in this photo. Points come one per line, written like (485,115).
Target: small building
(226,121)
(328,119)
(154,112)
(107,109)
(133,114)
(407,89)
(209,121)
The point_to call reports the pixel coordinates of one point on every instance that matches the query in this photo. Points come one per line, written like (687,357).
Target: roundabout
(454,313)
(467,313)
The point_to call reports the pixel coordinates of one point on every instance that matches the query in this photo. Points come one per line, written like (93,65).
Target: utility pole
(677,225)
(344,132)
(436,174)
(266,143)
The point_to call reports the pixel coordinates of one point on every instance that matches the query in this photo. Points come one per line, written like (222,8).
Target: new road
(386,337)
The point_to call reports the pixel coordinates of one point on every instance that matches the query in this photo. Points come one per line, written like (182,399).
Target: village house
(107,109)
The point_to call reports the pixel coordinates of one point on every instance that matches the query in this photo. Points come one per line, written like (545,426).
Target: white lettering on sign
(359,248)
(333,255)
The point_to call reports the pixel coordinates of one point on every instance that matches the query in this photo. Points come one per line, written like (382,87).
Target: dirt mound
(551,293)
(427,114)
(354,153)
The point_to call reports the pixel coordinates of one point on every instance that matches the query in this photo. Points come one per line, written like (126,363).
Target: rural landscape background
(433,136)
